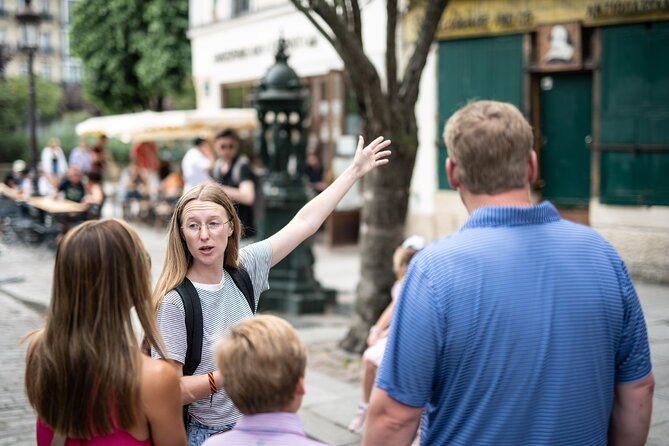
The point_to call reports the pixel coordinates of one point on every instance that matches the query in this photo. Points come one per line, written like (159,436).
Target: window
(45,41)
(66,10)
(44,6)
(46,70)
(72,71)
(65,43)
(237,96)
(23,68)
(3,36)
(239,7)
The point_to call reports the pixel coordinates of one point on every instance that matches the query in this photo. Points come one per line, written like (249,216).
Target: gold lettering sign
(466,18)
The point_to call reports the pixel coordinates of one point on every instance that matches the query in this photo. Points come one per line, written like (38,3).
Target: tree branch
(391,50)
(362,72)
(307,12)
(357,22)
(408,92)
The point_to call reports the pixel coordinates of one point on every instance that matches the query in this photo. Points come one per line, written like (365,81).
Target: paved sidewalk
(331,384)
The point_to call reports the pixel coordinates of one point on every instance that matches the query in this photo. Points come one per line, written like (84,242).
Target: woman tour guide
(203,244)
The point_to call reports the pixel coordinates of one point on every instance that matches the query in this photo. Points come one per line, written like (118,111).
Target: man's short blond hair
(261,360)
(490,144)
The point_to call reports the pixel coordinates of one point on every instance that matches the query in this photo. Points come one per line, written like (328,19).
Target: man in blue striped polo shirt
(520,328)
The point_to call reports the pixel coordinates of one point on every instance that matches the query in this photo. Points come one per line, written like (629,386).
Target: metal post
(32,121)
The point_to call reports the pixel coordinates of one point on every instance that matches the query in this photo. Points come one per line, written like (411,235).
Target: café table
(57,206)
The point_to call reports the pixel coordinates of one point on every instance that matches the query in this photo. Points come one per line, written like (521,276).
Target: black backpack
(194,320)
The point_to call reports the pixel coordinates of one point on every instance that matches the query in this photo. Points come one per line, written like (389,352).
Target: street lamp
(4,58)
(29,21)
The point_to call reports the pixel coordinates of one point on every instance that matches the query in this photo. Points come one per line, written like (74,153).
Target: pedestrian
(314,173)
(53,162)
(196,164)
(85,376)
(378,333)
(520,328)
(203,247)
(262,363)
(94,197)
(80,157)
(235,172)
(72,187)
(100,159)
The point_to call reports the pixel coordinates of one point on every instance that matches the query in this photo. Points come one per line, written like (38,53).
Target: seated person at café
(262,362)
(14,179)
(171,183)
(95,196)
(134,183)
(72,187)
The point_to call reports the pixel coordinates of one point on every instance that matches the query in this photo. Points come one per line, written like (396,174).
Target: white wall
(243,48)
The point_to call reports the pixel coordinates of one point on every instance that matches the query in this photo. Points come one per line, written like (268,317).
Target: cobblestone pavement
(17,422)
(332,381)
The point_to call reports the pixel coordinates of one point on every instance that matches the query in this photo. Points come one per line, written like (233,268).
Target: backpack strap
(194,331)
(243,281)
(236,174)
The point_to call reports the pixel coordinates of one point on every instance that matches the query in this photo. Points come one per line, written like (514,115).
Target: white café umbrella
(177,124)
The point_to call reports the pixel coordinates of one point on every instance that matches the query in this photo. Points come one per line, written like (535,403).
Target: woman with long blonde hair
(203,249)
(85,375)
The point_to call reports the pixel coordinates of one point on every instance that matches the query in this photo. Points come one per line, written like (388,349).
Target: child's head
(262,361)
(401,259)
(404,253)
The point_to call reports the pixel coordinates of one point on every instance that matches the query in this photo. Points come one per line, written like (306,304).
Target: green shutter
(486,68)
(635,112)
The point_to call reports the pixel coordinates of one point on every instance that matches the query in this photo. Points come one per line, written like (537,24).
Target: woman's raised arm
(312,215)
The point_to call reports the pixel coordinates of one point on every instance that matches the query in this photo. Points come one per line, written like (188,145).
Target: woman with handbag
(85,375)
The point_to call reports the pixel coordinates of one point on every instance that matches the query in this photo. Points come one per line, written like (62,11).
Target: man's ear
(452,175)
(533,168)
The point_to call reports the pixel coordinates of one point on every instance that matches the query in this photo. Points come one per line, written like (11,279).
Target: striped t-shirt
(515,331)
(223,305)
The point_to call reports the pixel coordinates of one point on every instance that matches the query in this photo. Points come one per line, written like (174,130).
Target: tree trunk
(385,202)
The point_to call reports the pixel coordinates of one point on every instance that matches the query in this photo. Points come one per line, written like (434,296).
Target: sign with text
(466,18)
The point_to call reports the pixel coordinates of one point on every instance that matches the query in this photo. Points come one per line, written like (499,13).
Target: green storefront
(591,76)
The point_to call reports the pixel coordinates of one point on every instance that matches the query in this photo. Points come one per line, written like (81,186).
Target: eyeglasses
(214,227)
(226,146)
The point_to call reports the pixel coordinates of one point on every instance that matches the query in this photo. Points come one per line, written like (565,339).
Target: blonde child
(262,363)
(378,334)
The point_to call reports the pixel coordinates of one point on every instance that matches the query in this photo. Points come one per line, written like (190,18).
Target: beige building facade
(53,60)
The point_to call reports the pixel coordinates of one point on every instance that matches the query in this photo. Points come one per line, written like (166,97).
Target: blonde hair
(83,368)
(261,360)
(401,258)
(178,258)
(490,144)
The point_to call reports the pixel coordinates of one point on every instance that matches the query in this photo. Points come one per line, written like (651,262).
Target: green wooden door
(566,124)
(635,115)
(469,69)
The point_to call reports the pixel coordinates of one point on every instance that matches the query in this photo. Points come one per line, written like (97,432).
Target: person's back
(85,375)
(521,328)
(531,337)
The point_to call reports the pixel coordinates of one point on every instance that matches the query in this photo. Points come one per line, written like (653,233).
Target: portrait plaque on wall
(559,47)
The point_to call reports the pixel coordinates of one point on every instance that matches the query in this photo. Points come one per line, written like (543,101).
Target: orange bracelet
(212,387)
(212,383)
